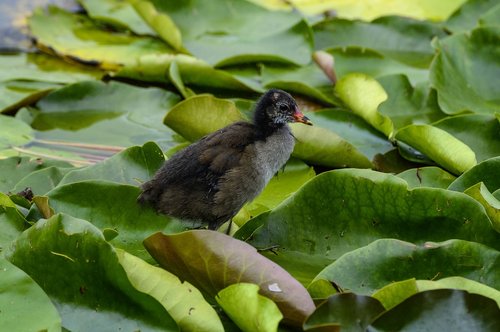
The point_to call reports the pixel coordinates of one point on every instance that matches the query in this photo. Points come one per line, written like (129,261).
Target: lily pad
(78,37)
(23,304)
(112,205)
(80,271)
(440,146)
(132,166)
(42,181)
(425,311)
(214,261)
(13,169)
(403,39)
(486,172)
(463,70)
(431,176)
(369,268)
(14,132)
(233,32)
(96,115)
(345,312)
(12,222)
(492,205)
(485,142)
(182,300)
(200,115)
(363,95)
(406,104)
(468,15)
(350,60)
(118,13)
(354,130)
(351,208)
(249,310)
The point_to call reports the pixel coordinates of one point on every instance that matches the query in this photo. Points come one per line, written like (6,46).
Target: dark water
(14,33)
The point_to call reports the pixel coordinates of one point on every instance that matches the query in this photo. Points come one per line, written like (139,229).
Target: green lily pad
(431,176)
(23,304)
(396,292)
(42,181)
(214,261)
(464,69)
(308,81)
(467,16)
(132,166)
(441,310)
(200,115)
(485,142)
(13,169)
(96,115)
(323,147)
(80,271)
(14,132)
(350,60)
(161,23)
(406,104)
(369,268)
(363,95)
(233,32)
(486,172)
(12,222)
(470,286)
(440,146)
(403,39)
(118,13)
(351,208)
(347,312)
(82,39)
(492,205)
(112,205)
(354,130)
(249,310)
(191,71)
(182,300)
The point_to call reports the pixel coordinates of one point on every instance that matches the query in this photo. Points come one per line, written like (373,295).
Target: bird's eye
(284,108)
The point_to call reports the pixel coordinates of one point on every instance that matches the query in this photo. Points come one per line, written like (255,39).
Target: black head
(277,108)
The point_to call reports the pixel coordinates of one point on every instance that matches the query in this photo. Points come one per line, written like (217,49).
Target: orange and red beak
(300,117)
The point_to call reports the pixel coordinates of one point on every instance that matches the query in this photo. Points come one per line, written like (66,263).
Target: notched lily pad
(213,261)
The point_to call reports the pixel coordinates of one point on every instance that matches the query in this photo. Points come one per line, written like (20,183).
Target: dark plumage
(213,178)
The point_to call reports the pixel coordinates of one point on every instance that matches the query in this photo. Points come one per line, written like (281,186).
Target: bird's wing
(223,150)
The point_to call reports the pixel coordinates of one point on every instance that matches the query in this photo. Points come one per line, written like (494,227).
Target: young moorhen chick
(213,178)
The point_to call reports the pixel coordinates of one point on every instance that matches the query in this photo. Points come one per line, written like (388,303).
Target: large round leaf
(465,69)
(486,172)
(104,116)
(344,312)
(370,268)
(404,39)
(23,304)
(351,208)
(485,142)
(434,177)
(440,146)
(251,311)
(213,261)
(182,300)
(363,95)
(132,166)
(112,206)
(237,31)
(80,271)
(441,310)
(82,39)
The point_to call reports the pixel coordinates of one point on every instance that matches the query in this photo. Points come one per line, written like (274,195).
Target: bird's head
(276,108)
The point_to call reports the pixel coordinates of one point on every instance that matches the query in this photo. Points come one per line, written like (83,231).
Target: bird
(211,179)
